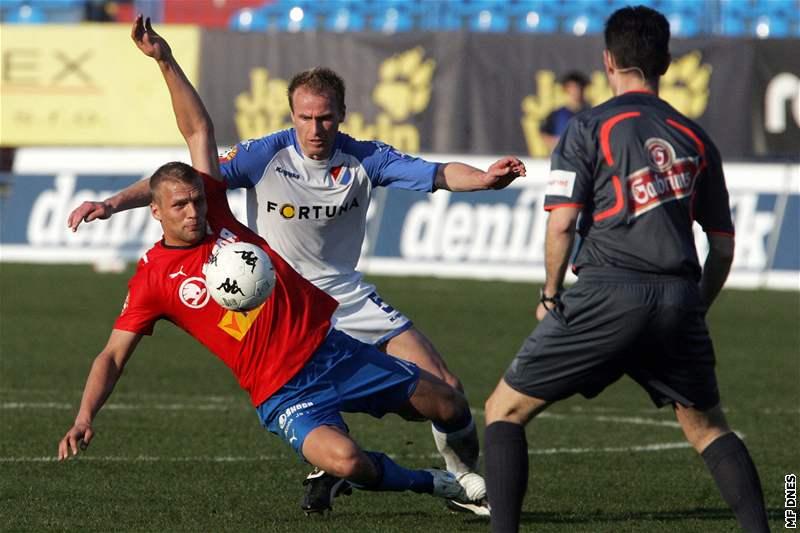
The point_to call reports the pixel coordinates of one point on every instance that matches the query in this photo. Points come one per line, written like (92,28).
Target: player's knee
(453,381)
(345,461)
(454,408)
(496,409)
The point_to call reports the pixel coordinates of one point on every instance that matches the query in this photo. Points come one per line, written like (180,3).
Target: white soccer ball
(239,276)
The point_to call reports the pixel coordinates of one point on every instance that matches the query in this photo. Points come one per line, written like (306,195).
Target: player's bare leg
(505,451)
(330,448)
(412,345)
(459,448)
(728,461)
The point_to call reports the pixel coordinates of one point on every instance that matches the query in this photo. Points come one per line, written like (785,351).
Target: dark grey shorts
(613,323)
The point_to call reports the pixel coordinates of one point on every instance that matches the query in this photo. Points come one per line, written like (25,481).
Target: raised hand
(504,171)
(148,41)
(88,211)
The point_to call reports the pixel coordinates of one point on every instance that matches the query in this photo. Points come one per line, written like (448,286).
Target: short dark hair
(318,80)
(174,171)
(574,76)
(638,37)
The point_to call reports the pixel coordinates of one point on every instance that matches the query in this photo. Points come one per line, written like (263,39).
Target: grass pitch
(178,448)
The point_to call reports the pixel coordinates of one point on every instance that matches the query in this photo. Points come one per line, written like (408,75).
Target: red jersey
(264,347)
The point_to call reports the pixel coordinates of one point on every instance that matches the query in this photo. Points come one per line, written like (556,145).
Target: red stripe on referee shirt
(685,129)
(725,233)
(556,206)
(618,205)
(605,133)
(700,148)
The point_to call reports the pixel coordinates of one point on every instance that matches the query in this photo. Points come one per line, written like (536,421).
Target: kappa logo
(193,292)
(287,173)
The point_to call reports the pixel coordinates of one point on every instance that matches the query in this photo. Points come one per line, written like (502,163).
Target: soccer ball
(239,276)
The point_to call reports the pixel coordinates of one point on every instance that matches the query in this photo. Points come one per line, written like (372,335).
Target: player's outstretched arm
(105,372)
(193,120)
(458,177)
(137,195)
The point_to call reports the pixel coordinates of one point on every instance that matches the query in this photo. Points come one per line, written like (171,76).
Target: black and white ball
(239,276)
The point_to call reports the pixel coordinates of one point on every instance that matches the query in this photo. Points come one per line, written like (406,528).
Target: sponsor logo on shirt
(230,154)
(238,323)
(560,183)
(288,173)
(666,180)
(661,153)
(311,212)
(193,292)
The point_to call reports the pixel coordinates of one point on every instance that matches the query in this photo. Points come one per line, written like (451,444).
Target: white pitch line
(126,406)
(657,447)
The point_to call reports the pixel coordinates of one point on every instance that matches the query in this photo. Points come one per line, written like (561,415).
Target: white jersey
(313,213)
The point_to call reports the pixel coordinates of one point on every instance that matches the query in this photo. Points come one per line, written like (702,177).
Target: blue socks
(395,478)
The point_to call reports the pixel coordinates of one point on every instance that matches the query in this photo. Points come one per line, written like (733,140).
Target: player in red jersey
(300,373)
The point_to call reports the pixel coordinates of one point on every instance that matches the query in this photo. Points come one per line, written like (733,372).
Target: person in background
(574,84)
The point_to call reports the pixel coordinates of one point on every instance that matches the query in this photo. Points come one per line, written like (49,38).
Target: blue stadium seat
(341,15)
(687,18)
(24,14)
(285,15)
(390,16)
(487,15)
(776,18)
(248,20)
(535,16)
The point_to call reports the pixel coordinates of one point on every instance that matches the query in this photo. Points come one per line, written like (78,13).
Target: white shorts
(363,314)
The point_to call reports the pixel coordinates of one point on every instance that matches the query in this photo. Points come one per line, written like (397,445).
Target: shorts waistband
(628,276)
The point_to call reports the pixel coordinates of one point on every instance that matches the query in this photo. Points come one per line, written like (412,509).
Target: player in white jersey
(308,192)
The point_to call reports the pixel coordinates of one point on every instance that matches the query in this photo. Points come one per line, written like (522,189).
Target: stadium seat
(390,16)
(686,17)
(487,15)
(539,16)
(339,16)
(25,14)
(776,18)
(289,16)
(248,20)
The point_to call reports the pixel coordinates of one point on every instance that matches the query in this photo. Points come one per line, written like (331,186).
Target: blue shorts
(343,375)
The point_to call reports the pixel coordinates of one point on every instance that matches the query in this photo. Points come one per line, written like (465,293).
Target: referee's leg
(505,451)
(729,462)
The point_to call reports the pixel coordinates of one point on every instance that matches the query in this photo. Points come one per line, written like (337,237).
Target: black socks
(736,476)
(506,456)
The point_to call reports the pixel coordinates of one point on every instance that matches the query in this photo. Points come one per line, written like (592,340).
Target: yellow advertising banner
(87,84)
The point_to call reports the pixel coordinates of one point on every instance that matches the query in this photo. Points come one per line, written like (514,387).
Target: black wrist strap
(554,300)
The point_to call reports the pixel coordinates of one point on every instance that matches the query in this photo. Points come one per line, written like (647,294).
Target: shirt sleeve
(549,124)
(570,183)
(388,167)
(245,163)
(139,312)
(711,204)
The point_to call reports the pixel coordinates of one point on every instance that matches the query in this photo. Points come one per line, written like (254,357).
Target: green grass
(151,467)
